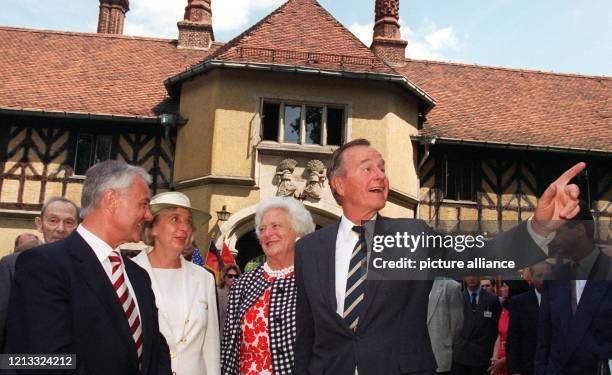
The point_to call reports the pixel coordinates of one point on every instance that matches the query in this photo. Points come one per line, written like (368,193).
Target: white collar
(100,248)
(346,226)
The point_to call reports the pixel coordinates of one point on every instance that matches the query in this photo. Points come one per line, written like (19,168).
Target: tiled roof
(487,104)
(88,73)
(302,33)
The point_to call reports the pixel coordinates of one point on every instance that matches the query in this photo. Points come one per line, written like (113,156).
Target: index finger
(570,173)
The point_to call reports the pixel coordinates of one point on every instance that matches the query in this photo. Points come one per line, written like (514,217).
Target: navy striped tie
(355,283)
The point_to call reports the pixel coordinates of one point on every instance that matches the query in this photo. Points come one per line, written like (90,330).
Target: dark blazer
(392,336)
(522,333)
(62,301)
(474,346)
(7,270)
(573,344)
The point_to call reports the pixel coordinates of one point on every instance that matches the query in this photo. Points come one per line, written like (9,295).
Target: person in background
(474,347)
(574,327)
(59,216)
(26,241)
(260,322)
(523,327)
(444,320)
(184,292)
(488,284)
(229,274)
(508,289)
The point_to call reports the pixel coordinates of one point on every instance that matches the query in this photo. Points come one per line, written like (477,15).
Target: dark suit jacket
(7,270)
(522,333)
(474,347)
(62,301)
(392,336)
(573,344)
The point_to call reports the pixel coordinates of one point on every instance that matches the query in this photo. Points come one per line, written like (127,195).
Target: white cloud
(363,32)
(158,18)
(429,42)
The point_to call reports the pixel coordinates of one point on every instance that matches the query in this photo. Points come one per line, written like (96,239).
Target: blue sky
(550,35)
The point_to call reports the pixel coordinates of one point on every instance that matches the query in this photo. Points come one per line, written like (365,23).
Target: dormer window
(302,123)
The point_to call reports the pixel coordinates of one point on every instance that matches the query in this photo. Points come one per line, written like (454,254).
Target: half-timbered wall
(506,189)
(37,161)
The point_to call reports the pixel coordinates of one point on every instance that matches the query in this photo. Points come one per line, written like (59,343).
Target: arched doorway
(248,248)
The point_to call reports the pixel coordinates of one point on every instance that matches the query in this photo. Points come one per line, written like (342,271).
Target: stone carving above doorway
(308,186)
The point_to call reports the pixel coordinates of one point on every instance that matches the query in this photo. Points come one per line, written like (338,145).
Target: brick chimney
(112,16)
(387,42)
(195,30)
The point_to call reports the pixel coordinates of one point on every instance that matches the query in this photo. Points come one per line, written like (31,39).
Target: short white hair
(107,175)
(301,220)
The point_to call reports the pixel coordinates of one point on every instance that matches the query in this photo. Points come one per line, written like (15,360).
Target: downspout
(170,122)
(426,142)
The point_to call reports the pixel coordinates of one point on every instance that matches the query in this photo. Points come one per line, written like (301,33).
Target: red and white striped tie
(126,300)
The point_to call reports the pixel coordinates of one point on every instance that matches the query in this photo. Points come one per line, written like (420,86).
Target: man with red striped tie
(80,296)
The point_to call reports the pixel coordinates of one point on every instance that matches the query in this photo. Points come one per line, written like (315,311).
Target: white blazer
(195,350)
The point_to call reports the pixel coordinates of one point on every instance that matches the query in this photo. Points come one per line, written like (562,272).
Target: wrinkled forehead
(60,209)
(360,154)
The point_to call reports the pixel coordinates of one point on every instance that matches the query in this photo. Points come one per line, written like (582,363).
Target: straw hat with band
(174,199)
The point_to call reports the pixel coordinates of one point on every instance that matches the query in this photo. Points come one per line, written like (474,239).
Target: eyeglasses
(231,275)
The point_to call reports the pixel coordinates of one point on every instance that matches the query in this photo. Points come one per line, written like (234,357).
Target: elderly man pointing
(349,324)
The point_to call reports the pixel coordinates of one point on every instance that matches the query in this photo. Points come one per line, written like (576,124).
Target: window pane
(460,180)
(103,148)
(84,150)
(335,120)
(314,124)
(270,121)
(292,123)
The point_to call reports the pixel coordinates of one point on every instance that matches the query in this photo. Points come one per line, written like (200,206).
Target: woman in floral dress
(260,328)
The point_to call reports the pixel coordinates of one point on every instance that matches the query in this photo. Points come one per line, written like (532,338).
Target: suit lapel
(162,317)
(327,265)
(192,285)
(95,277)
(143,296)
(587,308)
(371,286)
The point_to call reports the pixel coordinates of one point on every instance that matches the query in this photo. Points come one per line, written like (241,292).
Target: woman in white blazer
(184,292)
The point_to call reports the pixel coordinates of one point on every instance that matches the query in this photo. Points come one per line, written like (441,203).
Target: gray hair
(107,175)
(52,200)
(336,164)
(301,220)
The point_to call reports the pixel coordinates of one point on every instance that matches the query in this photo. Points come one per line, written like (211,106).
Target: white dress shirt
(346,240)
(538,296)
(583,270)
(102,251)
(345,243)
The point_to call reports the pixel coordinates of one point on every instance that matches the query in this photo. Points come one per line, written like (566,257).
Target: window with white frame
(91,149)
(302,123)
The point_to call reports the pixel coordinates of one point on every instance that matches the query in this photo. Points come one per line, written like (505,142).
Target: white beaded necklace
(277,273)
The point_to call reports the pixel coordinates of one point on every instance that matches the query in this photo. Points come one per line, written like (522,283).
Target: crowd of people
(310,308)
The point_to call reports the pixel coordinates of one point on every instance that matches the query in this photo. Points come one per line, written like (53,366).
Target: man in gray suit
(444,320)
(58,218)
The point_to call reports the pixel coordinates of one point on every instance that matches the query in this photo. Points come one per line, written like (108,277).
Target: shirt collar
(100,248)
(346,226)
